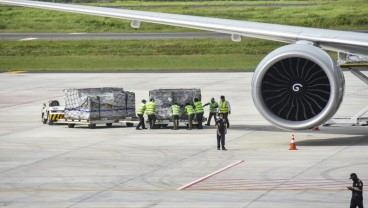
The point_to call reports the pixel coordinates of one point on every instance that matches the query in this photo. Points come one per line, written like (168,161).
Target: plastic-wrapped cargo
(99,104)
(164,98)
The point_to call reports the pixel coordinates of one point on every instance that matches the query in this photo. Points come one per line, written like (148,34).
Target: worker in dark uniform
(357,192)
(221,131)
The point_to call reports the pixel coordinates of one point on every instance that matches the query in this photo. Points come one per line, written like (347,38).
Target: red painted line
(208,176)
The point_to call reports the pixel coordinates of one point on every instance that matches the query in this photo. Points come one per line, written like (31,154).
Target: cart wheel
(44,121)
(109,124)
(71,125)
(92,126)
(128,124)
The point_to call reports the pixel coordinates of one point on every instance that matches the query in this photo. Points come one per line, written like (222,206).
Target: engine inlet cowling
(298,87)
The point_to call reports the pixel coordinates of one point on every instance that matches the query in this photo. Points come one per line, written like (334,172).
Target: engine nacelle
(298,87)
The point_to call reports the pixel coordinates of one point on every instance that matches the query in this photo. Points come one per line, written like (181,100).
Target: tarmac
(59,167)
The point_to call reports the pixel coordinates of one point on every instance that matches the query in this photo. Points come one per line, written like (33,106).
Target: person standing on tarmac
(220,132)
(140,112)
(213,110)
(150,111)
(175,115)
(199,112)
(190,111)
(225,109)
(357,192)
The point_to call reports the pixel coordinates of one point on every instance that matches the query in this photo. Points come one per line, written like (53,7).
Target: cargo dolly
(128,121)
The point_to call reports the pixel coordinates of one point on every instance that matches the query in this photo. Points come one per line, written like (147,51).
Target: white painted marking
(208,176)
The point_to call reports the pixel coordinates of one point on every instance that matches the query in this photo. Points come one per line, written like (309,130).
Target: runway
(56,166)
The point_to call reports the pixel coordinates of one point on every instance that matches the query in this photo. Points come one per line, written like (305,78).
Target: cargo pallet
(128,121)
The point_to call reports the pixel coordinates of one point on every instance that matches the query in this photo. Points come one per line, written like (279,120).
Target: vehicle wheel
(71,125)
(92,126)
(51,122)
(44,121)
(128,124)
(164,125)
(109,124)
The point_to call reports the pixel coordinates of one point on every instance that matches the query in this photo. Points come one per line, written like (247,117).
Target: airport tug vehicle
(52,112)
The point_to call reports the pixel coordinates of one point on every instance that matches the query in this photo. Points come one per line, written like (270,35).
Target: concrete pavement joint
(307,169)
(151,171)
(55,156)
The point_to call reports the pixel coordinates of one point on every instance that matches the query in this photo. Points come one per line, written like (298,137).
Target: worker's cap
(222,96)
(152,99)
(353,175)
(143,101)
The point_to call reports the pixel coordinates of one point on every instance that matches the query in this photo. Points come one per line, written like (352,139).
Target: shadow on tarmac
(346,141)
(344,130)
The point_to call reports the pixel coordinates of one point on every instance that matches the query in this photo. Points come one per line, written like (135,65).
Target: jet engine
(298,87)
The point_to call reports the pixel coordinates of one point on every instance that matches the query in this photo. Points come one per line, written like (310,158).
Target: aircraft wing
(342,41)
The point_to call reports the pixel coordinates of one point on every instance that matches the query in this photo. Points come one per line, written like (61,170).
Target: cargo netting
(99,104)
(164,98)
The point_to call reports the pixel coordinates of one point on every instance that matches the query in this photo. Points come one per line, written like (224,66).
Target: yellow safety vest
(198,107)
(223,107)
(141,109)
(213,107)
(150,108)
(175,110)
(189,109)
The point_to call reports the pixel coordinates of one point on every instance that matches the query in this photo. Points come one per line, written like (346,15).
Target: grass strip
(135,47)
(98,63)
(332,14)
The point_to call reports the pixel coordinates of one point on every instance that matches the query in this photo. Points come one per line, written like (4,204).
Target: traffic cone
(292,144)
(315,129)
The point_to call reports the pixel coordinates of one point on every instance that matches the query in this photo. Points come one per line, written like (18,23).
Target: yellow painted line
(14,72)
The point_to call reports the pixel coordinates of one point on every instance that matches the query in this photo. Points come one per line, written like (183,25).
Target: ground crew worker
(190,112)
(175,115)
(150,111)
(220,132)
(225,109)
(357,192)
(140,112)
(199,112)
(213,110)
